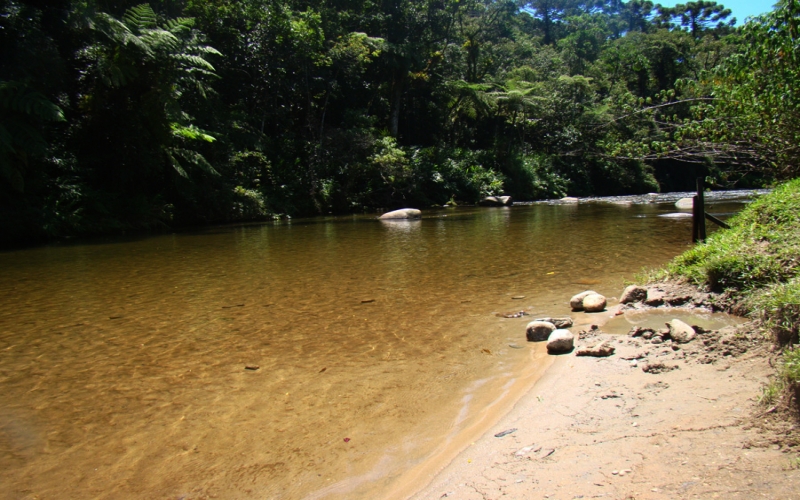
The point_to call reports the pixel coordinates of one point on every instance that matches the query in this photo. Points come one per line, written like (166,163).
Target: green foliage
(791,366)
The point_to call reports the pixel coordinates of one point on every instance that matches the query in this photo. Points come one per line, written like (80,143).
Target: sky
(740,8)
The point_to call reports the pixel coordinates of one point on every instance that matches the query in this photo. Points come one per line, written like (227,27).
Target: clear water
(123,364)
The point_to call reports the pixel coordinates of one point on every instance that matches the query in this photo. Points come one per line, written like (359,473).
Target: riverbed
(317,358)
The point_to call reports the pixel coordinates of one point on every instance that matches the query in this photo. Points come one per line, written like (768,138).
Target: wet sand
(605,428)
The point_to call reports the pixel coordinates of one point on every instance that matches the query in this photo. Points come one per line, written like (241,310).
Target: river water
(128,369)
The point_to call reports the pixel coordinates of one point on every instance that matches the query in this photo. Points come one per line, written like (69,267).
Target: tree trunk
(397,102)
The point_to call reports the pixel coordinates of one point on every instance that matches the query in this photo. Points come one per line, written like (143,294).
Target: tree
(697,17)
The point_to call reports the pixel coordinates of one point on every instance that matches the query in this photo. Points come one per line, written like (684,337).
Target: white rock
(680,331)
(560,341)
(684,204)
(496,201)
(403,213)
(576,302)
(594,302)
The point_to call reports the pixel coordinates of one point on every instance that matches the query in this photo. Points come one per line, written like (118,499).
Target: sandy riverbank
(606,428)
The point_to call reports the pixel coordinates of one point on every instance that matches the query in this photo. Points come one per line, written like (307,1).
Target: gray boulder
(560,341)
(403,213)
(680,331)
(633,293)
(570,199)
(538,331)
(594,302)
(576,302)
(684,204)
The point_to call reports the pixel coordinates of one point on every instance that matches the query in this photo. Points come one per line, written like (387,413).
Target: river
(313,358)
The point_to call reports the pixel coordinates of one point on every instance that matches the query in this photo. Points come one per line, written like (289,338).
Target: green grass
(760,254)
(778,308)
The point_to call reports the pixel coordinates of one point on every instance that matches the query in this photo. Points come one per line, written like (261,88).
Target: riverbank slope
(711,418)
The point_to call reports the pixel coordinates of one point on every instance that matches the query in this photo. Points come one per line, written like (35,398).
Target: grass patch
(756,262)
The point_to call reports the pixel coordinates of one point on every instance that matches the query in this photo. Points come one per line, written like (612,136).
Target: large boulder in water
(576,302)
(684,204)
(594,302)
(496,201)
(539,331)
(403,213)
(560,341)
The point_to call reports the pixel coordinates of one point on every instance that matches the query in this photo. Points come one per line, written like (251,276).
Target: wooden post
(699,213)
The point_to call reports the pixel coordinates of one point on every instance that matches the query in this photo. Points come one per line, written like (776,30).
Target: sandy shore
(688,427)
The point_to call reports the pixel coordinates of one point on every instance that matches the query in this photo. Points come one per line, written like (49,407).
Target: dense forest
(121,115)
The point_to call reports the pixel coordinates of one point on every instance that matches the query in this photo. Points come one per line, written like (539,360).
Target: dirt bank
(656,419)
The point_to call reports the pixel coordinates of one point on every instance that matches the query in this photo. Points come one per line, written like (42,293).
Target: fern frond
(191,132)
(17,96)
(160,39)
(206,50)
(176,164)
(192,60)
(179,25)
(140,17)
(194,158)
(119,33)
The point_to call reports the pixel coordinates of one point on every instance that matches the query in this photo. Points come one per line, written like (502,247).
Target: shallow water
(123,364)
(658,318)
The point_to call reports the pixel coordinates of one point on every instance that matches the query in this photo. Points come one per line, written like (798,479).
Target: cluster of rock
(413,213)
(676,335)
(554,331)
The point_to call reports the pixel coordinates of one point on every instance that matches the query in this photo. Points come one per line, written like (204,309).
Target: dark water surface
(122,365)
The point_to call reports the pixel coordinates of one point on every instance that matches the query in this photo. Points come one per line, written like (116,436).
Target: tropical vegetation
(122,116)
